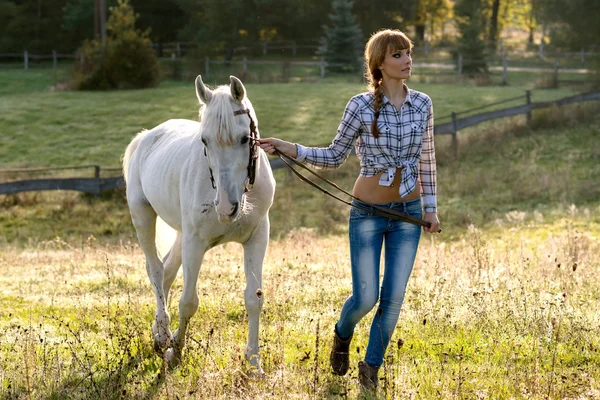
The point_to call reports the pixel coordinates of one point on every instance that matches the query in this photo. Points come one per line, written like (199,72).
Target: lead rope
(363,205)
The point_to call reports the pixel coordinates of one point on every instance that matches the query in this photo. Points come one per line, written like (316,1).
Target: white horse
(212,184)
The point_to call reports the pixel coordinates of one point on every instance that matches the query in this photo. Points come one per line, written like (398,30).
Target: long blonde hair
(379,44)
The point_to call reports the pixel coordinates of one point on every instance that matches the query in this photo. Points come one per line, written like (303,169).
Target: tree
(574,22)
(32,25)
(494,32)
(78,17)
(341,44)
(124,60)
(164,17)
(471,46)
(393,14)
(430,14)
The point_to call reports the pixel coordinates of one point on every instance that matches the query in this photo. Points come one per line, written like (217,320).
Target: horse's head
(226,123)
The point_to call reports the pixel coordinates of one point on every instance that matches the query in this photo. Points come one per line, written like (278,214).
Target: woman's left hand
(432,218)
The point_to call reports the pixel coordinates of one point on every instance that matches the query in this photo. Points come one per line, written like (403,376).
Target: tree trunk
(234,36)
(96,19)
(39,22)
(531,25)
(493,35)
(103,20)
(420,32)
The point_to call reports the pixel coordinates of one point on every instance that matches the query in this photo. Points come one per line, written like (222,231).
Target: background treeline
(219,27)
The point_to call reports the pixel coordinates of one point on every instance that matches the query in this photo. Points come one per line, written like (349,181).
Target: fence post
(460,65)
(501,48)
(427,48)
(54,60)
(264,45)
(26,60)
(542,49)
(178,50)
(97,176)
(528,102)
(294,48)
(582,56)
(207,66)
(454,135)
(245,64)
(505,70)
(556,73)
(322,68)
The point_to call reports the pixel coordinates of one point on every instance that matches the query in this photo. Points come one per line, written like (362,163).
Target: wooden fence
(97,184)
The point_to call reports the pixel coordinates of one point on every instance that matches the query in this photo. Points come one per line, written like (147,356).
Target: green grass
(44,128)
(500,167)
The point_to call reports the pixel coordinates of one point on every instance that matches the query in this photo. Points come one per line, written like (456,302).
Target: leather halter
(253,155)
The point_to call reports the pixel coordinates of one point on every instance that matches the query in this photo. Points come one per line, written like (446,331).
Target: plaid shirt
(405,141)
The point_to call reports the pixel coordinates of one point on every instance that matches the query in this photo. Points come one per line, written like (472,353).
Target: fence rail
(97,184)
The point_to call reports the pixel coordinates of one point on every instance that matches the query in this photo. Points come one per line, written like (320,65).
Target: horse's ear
(204,94)
(238,91)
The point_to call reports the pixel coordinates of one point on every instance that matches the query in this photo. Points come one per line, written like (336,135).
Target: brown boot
(367,376)
(340,354)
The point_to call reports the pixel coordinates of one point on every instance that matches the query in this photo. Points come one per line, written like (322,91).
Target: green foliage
(341,44)
(124,61)
(575,22)
(77,20)
(471,44)
(32,25)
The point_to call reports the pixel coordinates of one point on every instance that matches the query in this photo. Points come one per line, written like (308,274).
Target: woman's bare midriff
(369,190)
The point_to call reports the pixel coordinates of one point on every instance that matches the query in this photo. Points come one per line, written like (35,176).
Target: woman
(391,127)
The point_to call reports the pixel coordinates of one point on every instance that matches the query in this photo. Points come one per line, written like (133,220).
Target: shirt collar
(408,100)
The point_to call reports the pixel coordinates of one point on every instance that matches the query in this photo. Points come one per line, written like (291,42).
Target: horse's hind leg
(172,262)
(254,254)
(143,217)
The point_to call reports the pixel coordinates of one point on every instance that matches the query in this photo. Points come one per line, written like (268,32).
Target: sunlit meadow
(505,304)
(515,316)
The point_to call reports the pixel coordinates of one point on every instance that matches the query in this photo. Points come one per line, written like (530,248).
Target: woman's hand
(432,218)
(270,144)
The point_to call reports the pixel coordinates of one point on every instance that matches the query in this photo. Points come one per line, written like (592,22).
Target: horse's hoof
(161,345)
(157,349)
(256,373)
(173,357)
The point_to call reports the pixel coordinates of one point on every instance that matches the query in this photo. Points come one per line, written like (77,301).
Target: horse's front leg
(143,217)
(254,254)
(192,252)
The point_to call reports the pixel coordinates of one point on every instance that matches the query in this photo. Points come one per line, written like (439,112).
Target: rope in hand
(362,205)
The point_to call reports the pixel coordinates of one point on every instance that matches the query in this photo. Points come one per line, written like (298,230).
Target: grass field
(45,128)
(503,305)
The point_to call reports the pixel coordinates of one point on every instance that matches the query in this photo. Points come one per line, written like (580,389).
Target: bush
(124,61)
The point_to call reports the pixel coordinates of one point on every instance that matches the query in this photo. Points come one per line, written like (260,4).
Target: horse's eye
(245,140)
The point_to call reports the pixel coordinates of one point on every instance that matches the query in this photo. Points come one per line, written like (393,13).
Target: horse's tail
(130,150)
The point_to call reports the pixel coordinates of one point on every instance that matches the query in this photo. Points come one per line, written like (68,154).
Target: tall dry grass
(511,315)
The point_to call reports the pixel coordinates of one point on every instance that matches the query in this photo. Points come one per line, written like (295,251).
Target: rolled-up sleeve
(337,152)
(427,167)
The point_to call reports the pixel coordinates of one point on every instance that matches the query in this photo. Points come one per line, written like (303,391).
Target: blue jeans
(367,234)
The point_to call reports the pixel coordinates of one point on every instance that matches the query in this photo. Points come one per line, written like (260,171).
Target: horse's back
(155,166)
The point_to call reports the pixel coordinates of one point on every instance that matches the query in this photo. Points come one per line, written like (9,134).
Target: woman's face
(397,65)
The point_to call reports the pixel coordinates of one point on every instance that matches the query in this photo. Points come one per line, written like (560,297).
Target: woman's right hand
(271,144)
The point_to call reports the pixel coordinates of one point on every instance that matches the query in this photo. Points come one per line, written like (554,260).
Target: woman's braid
(377,102)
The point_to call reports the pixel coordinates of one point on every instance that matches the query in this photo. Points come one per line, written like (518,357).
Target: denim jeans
(367,234)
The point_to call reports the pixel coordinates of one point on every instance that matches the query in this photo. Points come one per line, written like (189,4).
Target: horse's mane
(218,115)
